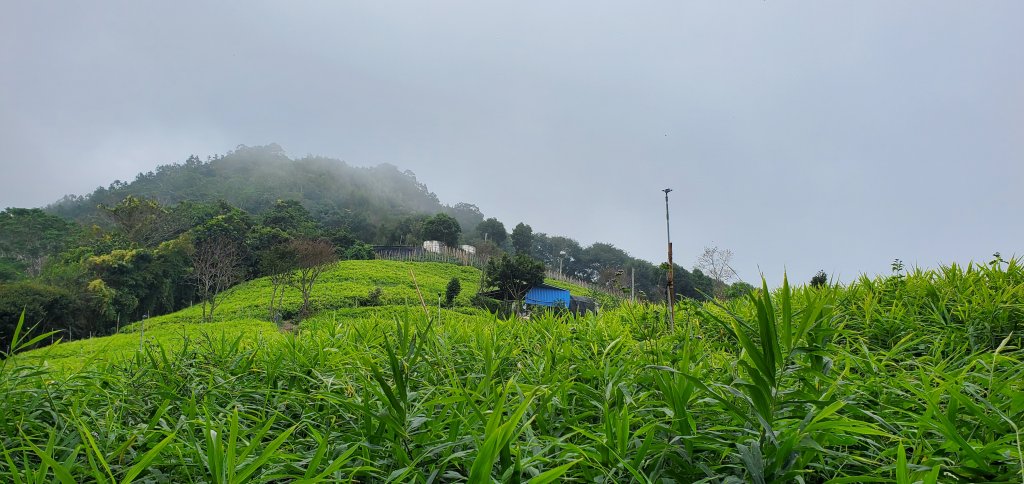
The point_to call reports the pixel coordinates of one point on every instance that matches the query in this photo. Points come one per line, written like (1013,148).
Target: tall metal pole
(670,292)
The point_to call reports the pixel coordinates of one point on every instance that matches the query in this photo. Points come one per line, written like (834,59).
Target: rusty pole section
(670,292)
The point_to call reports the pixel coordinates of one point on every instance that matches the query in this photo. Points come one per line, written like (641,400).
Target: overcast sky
(801,135)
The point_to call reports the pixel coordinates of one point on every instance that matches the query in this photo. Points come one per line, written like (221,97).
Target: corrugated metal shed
(549,296)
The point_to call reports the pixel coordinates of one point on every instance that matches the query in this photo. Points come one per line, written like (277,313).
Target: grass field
(912,378)
(243,309)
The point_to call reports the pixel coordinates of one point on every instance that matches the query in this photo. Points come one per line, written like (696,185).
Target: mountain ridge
(253,178)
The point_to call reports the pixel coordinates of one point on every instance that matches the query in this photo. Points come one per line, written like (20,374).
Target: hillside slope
(341,293)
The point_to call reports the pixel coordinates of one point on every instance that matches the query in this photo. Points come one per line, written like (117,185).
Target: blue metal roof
(545,295)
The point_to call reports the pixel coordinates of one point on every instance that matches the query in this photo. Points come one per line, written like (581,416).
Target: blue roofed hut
(547,296)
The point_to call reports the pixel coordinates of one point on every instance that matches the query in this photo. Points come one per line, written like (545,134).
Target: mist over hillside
(252,178)
(375,205)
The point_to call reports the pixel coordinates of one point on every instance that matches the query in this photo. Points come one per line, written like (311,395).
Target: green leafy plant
(451,291)
(867,382)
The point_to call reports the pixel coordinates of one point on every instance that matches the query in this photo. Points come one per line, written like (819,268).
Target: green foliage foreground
(912,378)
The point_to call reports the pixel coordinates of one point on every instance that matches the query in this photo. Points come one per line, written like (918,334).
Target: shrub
(359,251)
(373,298)
(819,279)
(483,302)
(49,307)
(452,291)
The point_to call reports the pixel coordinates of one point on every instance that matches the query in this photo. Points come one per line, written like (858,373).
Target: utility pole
(670,291)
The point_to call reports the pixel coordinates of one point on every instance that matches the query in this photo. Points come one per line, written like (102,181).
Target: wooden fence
(418,254)
(580,282)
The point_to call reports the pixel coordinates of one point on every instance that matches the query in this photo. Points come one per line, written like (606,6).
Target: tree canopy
(442,227)
(522,239)
(514,276)
(493,230)
(28,236)
(253,178)
(290,217)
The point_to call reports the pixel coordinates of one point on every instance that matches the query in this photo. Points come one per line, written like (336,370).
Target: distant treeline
(88,264)
(368,202)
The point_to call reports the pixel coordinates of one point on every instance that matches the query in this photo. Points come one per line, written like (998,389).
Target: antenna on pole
(670,290)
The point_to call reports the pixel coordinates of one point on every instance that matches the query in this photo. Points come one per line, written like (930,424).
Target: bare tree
(716,263)
(216,265)
(279,262)
(312,258)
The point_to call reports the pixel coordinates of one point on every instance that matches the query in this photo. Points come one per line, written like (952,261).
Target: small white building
(433,246)
(469,249)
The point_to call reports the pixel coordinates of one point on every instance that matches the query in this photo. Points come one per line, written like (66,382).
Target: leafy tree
(290,217)
(28,237)
(191,213)
(143,280)
(522,239)
(260,241)
(467,214)
(514,276)
(348,247)
(739,289)
(492,230)
(312,258)
(143,222)
(485,249)
(407,230)
(50,307)
(341,239)
(560,252)
(359,251)
(820,279)
(600,262)
(451,291)
(355,223)
(234,226)
(442,227)
(173,290)
(697,286)
(10,270)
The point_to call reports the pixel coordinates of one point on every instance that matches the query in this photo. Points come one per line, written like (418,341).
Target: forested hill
(88,263)
(372,205)
(253,178)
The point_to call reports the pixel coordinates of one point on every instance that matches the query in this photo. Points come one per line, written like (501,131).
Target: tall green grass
(917,378)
